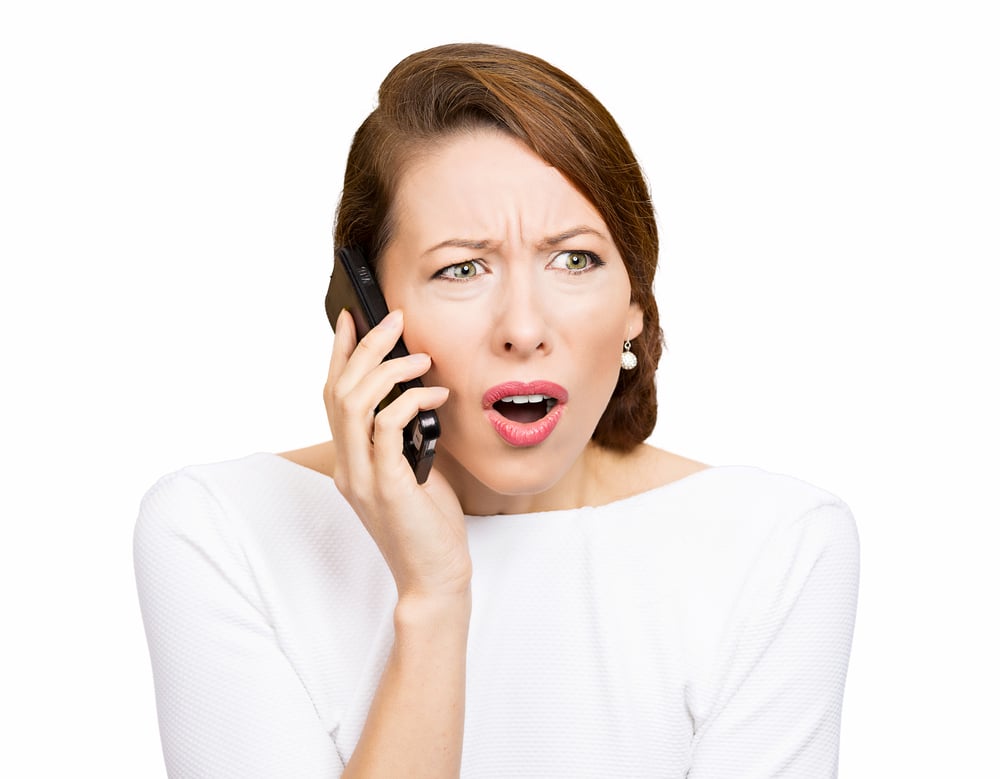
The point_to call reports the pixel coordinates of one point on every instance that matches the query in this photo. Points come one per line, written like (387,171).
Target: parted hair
(434,93)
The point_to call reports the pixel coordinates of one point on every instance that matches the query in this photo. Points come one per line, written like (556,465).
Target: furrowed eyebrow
(545,243)
(462,243)
(555,240)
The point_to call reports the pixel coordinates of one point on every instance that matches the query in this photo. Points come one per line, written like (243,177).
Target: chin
(515,484)
(524,473)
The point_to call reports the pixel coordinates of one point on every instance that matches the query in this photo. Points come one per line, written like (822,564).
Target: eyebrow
(545,243)
(573,232)
(462,243)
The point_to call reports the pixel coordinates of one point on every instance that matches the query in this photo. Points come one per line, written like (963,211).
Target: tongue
(521,412)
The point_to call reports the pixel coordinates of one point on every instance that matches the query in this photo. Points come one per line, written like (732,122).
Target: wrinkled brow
(546,243)
(555,240)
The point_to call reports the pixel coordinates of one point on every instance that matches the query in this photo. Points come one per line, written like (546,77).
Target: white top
(701,629)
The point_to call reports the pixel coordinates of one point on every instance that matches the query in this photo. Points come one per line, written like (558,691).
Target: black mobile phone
(353,286)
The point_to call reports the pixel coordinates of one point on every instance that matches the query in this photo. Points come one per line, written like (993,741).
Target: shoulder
(776,524)
(261,501)
(713,525)
(738,546)
(770,502)
(209,489)
(751,507)
(261,526)
(721,521)
(730,494)
(751,487)
(712,501)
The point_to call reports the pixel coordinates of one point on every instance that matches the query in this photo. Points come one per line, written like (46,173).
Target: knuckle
(335,391)
(364,345)
(339,395)
(353,406)
(383,422)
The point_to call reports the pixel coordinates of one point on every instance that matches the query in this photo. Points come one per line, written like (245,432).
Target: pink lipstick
(524,414)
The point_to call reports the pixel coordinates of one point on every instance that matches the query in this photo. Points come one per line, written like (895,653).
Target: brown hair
(437,92)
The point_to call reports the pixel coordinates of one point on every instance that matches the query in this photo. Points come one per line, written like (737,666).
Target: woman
(559,598)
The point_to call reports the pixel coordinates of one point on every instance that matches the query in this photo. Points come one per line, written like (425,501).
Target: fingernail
(393,319)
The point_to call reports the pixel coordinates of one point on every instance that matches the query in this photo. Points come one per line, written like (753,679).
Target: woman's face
(509,280)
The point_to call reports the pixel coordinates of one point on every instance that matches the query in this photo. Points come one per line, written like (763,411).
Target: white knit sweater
(701,629)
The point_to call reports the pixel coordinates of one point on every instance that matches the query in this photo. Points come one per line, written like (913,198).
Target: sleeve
(784,665)
(228,701)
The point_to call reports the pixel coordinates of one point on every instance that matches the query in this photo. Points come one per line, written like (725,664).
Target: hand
(420,529)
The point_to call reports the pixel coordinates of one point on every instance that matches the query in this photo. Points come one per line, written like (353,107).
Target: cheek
(603,320)
(450,345)
(601,343)
(423,325)
(604,358)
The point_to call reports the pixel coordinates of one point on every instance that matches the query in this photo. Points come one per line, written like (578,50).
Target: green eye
(576,261)
(461,270)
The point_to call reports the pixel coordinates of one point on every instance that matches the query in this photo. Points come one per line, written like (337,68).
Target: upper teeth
(523,398)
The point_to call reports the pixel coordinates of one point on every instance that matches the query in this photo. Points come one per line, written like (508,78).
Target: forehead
(487,183)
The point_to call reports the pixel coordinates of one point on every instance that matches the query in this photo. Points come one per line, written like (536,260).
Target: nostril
(508,346)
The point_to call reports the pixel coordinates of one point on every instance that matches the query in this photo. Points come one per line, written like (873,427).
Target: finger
(371,350)
(389,463)
(378,383)
(351,462)
(344,343)
(354,414)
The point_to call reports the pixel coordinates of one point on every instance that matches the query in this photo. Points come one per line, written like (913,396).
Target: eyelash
(441,274)
(595,262)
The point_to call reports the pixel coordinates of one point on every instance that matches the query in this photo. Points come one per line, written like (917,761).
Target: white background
(827,180)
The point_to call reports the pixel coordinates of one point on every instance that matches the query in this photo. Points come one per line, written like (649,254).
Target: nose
(521,319)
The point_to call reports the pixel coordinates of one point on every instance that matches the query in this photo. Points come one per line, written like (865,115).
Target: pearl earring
(629,360)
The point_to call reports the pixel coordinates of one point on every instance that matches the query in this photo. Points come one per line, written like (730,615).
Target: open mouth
(524,408)
(525,413)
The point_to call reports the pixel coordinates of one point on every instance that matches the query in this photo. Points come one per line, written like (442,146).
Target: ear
(633,322)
